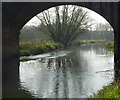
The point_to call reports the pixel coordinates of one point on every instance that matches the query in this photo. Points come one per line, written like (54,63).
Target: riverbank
(28,48)
(110,91)
(104,91)
(66,66)
(109,45)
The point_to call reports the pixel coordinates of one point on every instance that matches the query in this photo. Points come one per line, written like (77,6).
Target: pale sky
(97,19)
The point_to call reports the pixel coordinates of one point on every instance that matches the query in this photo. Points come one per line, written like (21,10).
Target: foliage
(68,23)
(109,45)
(37,47)
(111,91)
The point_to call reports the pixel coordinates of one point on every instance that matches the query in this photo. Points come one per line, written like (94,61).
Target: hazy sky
(93,15)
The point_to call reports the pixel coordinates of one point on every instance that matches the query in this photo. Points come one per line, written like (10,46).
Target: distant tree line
(31,33)
(104,27)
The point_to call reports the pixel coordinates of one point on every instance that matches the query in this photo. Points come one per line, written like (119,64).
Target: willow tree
(64,23)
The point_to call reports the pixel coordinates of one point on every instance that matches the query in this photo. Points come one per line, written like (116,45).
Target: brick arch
(23,12)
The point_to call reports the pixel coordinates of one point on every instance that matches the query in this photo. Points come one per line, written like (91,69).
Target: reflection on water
(78,73)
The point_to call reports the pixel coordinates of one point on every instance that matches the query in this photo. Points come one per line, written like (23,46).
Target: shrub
(37,47)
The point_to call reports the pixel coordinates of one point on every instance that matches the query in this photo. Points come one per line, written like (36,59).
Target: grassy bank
(111,91)
(109,45)
(37,47)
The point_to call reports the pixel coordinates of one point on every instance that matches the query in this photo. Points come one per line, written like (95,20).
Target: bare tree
(66,24)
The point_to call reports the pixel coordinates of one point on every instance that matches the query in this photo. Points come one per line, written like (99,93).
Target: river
(75,73)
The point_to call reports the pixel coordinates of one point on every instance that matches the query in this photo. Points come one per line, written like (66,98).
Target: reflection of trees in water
(42,60)
(63,66)
(50,63)
(97,48)
(58,65)
(61,77)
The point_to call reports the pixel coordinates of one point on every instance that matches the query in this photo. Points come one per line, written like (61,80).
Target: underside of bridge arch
(16,15)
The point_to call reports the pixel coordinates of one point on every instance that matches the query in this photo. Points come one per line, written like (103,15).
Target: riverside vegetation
(111,91)
(37,47)
(109,45)
(28,48)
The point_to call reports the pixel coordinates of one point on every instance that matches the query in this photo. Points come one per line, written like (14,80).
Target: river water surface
(74,73)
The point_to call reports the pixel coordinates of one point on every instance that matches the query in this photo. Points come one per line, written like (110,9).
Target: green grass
(37,47)
(111,91)
(109,45)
